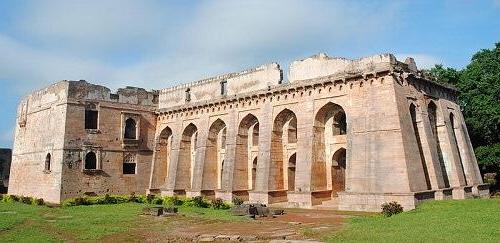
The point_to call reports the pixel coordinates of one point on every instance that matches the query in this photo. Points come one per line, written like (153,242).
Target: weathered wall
(262,77)
(5,161)
(107,141)
(39,131)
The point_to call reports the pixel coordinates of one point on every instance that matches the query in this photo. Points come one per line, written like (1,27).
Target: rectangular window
(91,117)
(223,87)
(128,168)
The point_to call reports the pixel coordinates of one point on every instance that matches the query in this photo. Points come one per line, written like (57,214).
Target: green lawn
(474,220)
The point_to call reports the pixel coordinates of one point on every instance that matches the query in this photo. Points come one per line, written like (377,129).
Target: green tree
(479,86)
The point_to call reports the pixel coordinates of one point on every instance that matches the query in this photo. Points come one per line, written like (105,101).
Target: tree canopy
(479,99)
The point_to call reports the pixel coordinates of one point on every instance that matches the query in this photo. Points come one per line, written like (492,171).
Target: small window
(90,161)
(129,165)
(130,129)
(188,95)
(91,119)
(223,87)
(47,162)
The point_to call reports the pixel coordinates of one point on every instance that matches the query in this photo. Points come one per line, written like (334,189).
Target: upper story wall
(262,77)
(322,65)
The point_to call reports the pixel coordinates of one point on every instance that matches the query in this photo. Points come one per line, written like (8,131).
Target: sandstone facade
(349,133)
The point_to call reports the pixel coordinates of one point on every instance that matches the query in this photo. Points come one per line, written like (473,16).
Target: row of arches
(329,157)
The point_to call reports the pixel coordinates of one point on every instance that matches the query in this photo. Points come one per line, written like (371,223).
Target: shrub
(10,198)
(237,201)
(157,201)
(174,201)
(150,198)
(132,198)
(1,197)
(38,201)
(218,203)
(141,199)
(391,208)
(200,202)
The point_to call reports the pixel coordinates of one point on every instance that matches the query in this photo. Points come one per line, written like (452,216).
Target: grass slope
(474,220)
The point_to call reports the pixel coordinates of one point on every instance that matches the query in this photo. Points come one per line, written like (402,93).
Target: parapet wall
(262,77)
(321,65)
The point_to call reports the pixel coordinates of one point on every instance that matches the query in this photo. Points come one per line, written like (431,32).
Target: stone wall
(262,77)
(351,133)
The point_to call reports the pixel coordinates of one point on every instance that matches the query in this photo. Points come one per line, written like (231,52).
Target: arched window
(223,87)
(90,161)
(47,162)
(340,124)
(130,129)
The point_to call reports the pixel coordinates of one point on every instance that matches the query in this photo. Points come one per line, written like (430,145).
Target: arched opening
(130,129)
(246,149)
(282,144)
(338,171)
(47,162)
(214,155)
(413,114)
(90,161)
(433,119)
(291,172)
(162,157)
(254,172)
(330,134)
(188,95)
(187,156)
(454,135)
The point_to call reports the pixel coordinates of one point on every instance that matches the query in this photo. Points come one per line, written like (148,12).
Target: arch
(292,161)
(286,120)
(90,161)
(162,157)
(413,115)
(338,171)
(214,155)
(47,162)
(330,131)
(454,132)
(246,143)
(130,129)
(432,112)
(187,156)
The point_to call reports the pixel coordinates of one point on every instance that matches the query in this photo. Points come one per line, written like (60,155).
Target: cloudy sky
(155,44)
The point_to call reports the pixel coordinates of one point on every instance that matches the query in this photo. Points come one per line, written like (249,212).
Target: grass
(474,220)
(28,223)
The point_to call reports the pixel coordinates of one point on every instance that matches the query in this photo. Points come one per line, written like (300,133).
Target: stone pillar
(201,146)
(260,193)
(457,173)
(168,188)
(304,182)
(429,148)
(227,176)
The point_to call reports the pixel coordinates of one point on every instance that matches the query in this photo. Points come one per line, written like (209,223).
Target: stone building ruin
(351,134)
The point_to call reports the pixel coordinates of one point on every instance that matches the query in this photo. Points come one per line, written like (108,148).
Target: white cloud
(424,61)
(97,40)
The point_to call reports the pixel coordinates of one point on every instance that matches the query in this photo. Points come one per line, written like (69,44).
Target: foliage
(218,203)
(479,98)
(237,201)
(432,221)
(22,199)
(198,201)
(174,201)
(391,208)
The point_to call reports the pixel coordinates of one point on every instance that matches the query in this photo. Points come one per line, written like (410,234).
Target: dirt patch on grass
(295,224)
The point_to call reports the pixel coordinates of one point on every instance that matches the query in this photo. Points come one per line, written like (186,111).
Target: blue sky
(157,44)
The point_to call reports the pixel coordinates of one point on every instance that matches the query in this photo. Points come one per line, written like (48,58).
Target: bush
(173,201)
(38,202)
(218,203)
(237,201)
(150,198)
(1,197)
(199,202)
(10,198)
(141,199)
(392,208)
